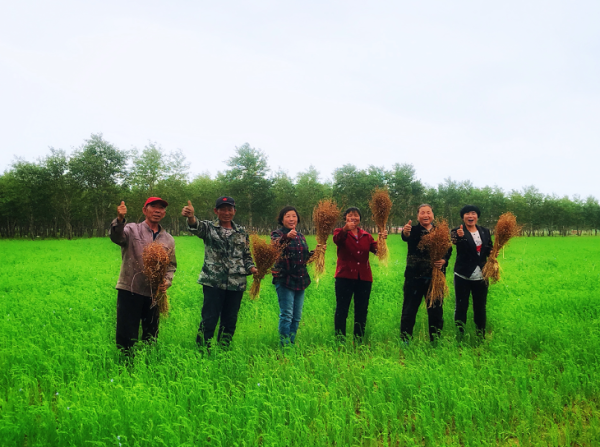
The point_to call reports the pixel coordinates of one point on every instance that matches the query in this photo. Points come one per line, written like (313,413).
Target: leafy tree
(173,187)
(99,167)
(64,191)
(155,173)
(591,213)
(406,191)
(148,168)
(550,213)
(203,191)
(527,206)
(566,211)
(248,183)
(353,187)
(69,195)
(33,204)
(284,192)
(8,204)
(454,195)
(309,191)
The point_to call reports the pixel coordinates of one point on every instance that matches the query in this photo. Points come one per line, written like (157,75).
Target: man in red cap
(134,298)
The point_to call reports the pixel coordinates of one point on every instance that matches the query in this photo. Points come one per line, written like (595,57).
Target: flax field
(534,381)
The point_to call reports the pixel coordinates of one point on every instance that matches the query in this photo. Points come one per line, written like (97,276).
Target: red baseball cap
(156,199)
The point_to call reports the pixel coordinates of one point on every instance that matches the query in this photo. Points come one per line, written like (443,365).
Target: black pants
(479,290)
(414,291)
(131,309)
(344,289)
(223,304)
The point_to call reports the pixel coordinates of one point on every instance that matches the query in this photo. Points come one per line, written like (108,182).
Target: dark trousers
(478,290)
(415,290)
(131,309)
(219,304)
(344,289)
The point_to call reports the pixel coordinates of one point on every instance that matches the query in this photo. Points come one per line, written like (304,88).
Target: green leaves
(75,195)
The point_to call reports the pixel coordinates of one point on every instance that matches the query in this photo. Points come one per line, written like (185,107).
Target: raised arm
(406,230)
(118,233)
(458,235)
(194,225)
(339,236)
(278,237)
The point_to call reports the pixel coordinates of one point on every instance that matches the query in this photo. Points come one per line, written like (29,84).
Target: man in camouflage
(227,262)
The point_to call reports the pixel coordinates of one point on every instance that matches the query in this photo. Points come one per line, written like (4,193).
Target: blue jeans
(290,312)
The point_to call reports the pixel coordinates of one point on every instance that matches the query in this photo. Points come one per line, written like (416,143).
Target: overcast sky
(499,93)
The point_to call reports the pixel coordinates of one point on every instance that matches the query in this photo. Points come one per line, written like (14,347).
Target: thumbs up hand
(460,232)
(121,211)
(188,211)
(407,228)
(350,226)
(293,233)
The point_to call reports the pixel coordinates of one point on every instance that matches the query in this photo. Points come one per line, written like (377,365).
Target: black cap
(467,209)
(225,201)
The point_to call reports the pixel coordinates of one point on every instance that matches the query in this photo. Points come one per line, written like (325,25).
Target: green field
(535,380)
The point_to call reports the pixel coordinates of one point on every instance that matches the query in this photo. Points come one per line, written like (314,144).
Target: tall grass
(533,381)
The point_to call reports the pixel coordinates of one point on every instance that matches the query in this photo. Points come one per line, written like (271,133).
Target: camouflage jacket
(227,259)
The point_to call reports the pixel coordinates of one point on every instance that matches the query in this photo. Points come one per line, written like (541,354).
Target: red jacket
(353,254)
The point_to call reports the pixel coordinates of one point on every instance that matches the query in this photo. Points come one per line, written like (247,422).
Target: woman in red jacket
(353,273)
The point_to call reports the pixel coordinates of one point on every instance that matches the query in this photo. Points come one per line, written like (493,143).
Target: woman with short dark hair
(353,275)
(290,275)
(473,246)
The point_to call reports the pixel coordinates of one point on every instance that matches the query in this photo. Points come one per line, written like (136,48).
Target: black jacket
(418,263)
(467,258)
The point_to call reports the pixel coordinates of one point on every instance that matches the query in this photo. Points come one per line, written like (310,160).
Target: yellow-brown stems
(156,259)
(325,216)
(381,205)
(437,242)
(506,228)
(265,255)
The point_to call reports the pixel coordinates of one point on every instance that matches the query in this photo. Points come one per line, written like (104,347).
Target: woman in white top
(473,246)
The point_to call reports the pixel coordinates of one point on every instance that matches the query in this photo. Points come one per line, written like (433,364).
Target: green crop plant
(532,381)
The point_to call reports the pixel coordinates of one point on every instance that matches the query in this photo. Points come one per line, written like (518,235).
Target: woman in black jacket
(473,246)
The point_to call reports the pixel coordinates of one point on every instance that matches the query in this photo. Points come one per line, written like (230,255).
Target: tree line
(76,194)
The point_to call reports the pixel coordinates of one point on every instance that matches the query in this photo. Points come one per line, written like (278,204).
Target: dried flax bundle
(325,216)
(506,228)
(265,255)
(438,243)
(156,260)
(381,205)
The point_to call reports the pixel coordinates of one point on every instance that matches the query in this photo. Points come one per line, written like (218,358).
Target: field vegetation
(533,381)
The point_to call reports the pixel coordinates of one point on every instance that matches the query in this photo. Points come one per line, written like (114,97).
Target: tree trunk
(250,212)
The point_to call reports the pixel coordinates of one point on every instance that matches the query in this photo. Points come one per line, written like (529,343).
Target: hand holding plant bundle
(506,228)
(381,205)
(325,216)
(265,255)
(437,242)
(156,259)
